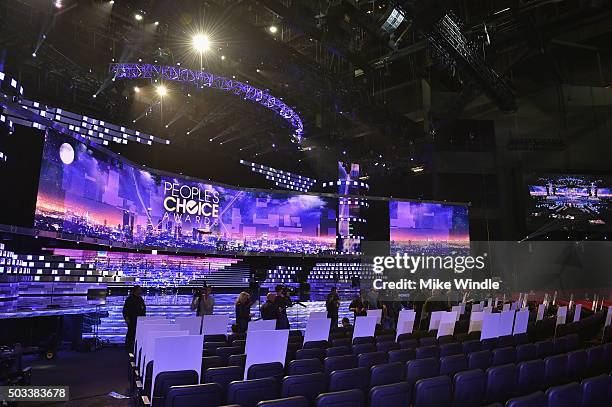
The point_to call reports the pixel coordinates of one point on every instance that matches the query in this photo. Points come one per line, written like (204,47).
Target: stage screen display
(428,228)
(90,192)
(577,201)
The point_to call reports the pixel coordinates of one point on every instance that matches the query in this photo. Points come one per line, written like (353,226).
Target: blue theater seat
(424,352)
(479,360)
(237,360)
(445,339)
(505,341)
(433,392)
(428,341)
(368,360)
(211,361)
(421,369)
(363,348)
(555,370)
(387,346)
(568,395)
(469,388)
(387,373)
(576,364)
(597,391)
(503,356)
(449,365)
(453,348)
(225,352)
(211,347)
(341,342)
(526,352)
(315,345)
(402,355)
(608,353)
(310,353)
(346,398)
(363,340)
(537,399)
(337,351)
(396,394)
(274,370)
(304,366)
(165,380)
(560,345)
(215,338)
(224,375)
(307,385)
(404,337)
(471,346)
(501,383)
(247,393)
(530,376)
(521,339)
(595,360)
(339,363)
(384,338)
(488,344)
(197,395)
(348,379)
(240,343)
(544,349)
(409,344)
(297,401)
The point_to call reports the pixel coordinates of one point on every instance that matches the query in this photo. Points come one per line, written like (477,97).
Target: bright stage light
(156,23)
(34,54)
(111,2)
(273,29)
(58,3)
(161,90)
(200,42)
(136,89)
(138,17)
(222,57)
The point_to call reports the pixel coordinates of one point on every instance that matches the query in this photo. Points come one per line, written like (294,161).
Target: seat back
(471,346)
(310,353)
(274,370)
(469,388)
(428,341)
(503,356)
(347,379)
(307,385)
(165,380)
(247,393)
(567,395)
(576,364)
(404,337)
(530,376)
(479,360)
(488,344)
(448,349)
(223,375)
(449,365)
(505,341)
(305,366)
(387,373)
(423,352)
(363,340)
(237,360)
(409,344)
(337,351)
(595,360)
(526,352)
(521,339)
(353,398)
(315,345)
(339,363)
(368,360)
(387,346)
(211,361)
(596,391)
(501,383)
(560,345)
(226,351)
(297,401)
(215,338)
(196,395)
(537,399)
(433,392)
(443,340)
(421,369)
(396,394)
(363,348)
(544,349)
(402,355)
(341,342)
(555,370)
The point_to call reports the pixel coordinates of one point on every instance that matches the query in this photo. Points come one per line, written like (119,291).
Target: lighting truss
(201,79)
(29,113)
(283,179)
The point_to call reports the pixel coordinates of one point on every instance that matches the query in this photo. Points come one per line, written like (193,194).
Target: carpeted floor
(91,376)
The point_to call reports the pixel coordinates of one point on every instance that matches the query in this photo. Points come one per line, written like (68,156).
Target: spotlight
(95,95)
(222,57)
(111,2)
(210,140)
(156,23)
(161,90)
(257,70)
(200,42)
(136,89)
(138,17)
(58,4)
(34,54)
(273,29)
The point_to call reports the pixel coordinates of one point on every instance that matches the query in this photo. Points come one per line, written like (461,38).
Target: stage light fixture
(136,89)
(273,29)
(222,57)
(138,17)
(58,3)
(257,70)
(156,23)
(161,90)
(111,2)
(200,42)
(34,54)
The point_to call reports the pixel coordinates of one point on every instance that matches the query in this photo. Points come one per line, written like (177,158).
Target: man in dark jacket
(133,308)
(269,310)
(332,304)
(282,301)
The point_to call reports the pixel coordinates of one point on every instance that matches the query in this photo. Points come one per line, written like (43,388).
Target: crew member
(243,311)
(269,310)
(332,304)
(133,308)
(203,303)
(282,301)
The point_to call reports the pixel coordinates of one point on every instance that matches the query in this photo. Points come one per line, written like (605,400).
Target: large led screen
(576,200)
(89,192)
(427,227)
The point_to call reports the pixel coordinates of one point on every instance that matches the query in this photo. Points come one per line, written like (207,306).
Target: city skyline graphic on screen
(427,227)
(88,192)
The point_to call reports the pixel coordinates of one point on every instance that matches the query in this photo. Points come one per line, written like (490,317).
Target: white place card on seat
(317,329)
(215,324)
(577,312)
(191,324)
(177,353)
(265,347)
(318,314)
(447,323)
(521,319)
(364,326)
(262,325)
(490,326)
(375,313)
(405,322)
(434,320)
(476,321)
(541,310)
(148,353)
(561,315)
(506,323)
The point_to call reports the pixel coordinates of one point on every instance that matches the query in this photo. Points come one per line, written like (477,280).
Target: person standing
(332,304)
(243,311)
(282,301)
(269,310)
(204,303)
(133,308)
(358,308)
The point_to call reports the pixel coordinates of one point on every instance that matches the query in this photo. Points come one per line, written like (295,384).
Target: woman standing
(243,311)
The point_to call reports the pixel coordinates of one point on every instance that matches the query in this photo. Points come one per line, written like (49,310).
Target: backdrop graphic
(87,191)
(427,227)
